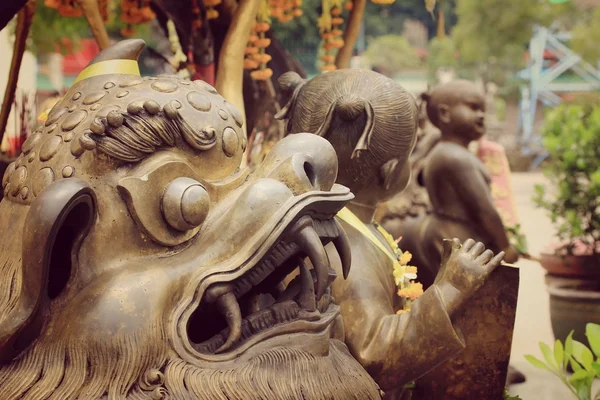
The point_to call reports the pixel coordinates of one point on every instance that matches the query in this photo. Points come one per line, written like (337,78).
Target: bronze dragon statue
(139,261)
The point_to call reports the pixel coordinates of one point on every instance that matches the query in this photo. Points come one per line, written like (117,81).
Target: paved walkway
(533,315)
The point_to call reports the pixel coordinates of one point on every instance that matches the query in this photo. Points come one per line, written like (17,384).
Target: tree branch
(342,60)
(92,14)
(24,18)
(229,7)
(230,73)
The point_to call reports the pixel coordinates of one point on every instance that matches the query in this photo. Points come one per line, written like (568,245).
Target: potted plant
(572,137)
(583,361)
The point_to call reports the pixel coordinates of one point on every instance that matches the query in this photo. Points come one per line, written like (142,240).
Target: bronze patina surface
(144,264)
(406,210)
(371,122)
(457,188)
(457,182)
(487,322)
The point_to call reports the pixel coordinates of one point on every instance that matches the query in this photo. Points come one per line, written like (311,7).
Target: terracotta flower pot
(573,303)
(575,266)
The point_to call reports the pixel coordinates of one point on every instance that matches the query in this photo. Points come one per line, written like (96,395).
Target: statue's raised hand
(464,269)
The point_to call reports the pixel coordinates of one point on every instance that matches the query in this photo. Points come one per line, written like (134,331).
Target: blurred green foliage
(51,32)
(493,35)
(391,54)
(442,54)
(301,36)
(586,36)
(571,135)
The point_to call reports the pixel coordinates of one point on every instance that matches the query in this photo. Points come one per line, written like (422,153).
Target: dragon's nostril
(310,173)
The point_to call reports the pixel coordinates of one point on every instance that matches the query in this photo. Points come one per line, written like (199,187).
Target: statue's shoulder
(451,157)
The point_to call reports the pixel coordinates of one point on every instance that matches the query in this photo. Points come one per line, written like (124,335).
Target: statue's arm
(394,348)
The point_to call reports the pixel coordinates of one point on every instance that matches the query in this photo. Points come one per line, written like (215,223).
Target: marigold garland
(404,274)
(329,25)
(66,8)
(285,10)
(135,12)
(256,57)
(210,5)
(103,7)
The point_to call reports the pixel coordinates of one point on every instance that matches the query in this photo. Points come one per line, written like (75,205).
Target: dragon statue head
(137,260)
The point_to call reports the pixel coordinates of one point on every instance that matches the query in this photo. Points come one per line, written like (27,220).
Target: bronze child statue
(371,122)
(457,182)
(143,263)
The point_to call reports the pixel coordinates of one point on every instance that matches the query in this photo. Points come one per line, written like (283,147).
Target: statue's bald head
(449,94)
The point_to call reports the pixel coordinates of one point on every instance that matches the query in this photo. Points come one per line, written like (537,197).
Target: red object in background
(74,63)
(205,73)
(22,114)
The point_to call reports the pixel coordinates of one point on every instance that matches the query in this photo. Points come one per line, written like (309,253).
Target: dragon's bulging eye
(185,204)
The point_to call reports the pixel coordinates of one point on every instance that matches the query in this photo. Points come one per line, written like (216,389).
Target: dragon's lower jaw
(258,306)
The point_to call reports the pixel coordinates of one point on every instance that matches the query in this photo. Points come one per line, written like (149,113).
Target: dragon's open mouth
(259,305)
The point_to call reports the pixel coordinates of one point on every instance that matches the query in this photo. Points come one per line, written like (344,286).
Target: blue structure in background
(542,83)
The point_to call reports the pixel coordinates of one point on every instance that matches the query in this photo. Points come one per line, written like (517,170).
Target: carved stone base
(487,322)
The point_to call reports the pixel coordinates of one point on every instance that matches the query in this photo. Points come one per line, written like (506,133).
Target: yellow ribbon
(125,67)
(348,216)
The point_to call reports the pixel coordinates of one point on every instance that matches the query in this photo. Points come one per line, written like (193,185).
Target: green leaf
(584,389)
(583,355)
(568,347)
(592,331)
(558,353)
(507,395)
(579,375)
(548,355)
(536,362)
(575,365)
(596,367)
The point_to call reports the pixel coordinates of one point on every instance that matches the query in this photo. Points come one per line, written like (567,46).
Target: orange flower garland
(285,10)
(103,7)
(256,57)
(135,12)
(329,25)
(66,8)
(404,274)
(210,5)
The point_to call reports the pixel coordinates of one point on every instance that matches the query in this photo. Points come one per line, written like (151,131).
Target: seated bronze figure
(371,122)
(137,261)
(457,182)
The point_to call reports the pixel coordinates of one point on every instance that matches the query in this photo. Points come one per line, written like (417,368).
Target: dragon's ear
(56,222)
(119,58)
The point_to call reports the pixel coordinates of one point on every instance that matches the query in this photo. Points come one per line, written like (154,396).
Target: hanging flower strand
(135,12)
(210,5)
(285,10)
(256,55)
(66,8)
(329,25)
